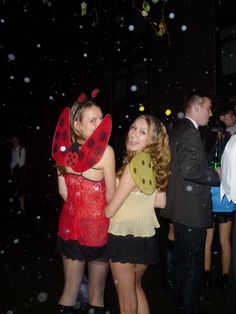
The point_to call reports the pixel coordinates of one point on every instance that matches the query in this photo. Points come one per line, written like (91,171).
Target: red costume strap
(79,159)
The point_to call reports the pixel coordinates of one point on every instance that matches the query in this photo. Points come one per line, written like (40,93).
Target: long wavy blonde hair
(158,149)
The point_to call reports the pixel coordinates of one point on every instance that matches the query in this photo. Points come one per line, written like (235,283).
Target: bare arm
(109,172)
(62,186)
(160,200)
(124,188)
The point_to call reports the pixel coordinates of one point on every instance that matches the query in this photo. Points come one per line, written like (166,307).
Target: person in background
(223,219)
(189,201)
(228,118)
(170,243)
(82,232)
(17,169)
(228,189)
(132,243)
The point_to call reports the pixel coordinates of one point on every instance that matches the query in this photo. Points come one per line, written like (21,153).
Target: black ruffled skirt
(134,250)
(73,250)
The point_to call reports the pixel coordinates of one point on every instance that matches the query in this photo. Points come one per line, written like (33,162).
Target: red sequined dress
(82,231)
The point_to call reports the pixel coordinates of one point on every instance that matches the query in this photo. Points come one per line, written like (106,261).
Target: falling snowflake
(133,88)
(189,188)
(180,115)
(26,79)
(11,56)
(42,296)
(131,28)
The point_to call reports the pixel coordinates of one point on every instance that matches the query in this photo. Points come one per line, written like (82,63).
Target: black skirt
(73,250)
(223,217)
(134,250)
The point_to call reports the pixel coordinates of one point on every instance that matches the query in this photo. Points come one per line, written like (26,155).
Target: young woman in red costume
(86,180)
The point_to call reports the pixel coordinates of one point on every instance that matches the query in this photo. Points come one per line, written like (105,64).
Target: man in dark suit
(189,200)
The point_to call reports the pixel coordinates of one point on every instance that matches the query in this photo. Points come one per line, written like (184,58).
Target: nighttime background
(50,51)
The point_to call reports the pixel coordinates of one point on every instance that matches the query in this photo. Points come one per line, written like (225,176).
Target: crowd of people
(109,220)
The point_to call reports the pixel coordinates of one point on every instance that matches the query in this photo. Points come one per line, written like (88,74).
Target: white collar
(194,122)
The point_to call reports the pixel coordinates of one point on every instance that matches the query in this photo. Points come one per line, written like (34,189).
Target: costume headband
(83,97)
(85,157)
(142,171)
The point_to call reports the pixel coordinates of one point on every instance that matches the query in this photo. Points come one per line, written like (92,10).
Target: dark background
(49,53)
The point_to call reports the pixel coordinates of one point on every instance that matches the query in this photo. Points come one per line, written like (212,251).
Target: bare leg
(225,243)
(124,279)
(171,234)
(97,275)
(73,274)
(143,307)
(127,278)
(208,249)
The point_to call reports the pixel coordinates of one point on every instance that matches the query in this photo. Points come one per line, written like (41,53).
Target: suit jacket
(188,191)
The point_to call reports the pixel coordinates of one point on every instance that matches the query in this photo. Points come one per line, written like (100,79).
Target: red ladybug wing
(61,139)
(93,148)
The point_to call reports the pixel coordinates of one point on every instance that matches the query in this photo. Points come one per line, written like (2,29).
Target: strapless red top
(82,217)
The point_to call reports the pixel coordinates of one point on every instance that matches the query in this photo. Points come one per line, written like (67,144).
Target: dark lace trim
(73,250)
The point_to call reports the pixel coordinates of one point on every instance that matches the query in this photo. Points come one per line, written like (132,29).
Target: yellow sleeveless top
(135,217)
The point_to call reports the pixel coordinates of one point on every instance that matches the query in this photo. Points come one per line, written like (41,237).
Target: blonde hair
(76,114)
(158,149)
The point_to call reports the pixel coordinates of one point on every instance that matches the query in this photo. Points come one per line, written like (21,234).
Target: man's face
(204,112)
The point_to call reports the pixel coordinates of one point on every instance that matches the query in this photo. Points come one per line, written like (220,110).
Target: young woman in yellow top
(142,184)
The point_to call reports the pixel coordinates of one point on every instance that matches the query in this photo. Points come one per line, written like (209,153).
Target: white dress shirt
(228,167)
(18,157)
(232,129)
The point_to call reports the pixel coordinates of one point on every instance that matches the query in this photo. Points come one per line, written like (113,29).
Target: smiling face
(138,136)
(91,117)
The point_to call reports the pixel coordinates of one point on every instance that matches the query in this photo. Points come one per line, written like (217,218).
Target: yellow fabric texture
(141,169)
(136,216)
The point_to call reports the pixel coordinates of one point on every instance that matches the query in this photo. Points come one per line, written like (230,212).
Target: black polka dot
(81,155)
(64,135)
(57,135)
(91,162)
(102,136)
(61,122)
(97,150)
(91,143)
(55,148)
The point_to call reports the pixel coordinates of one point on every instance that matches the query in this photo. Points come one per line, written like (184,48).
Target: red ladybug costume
(82,231)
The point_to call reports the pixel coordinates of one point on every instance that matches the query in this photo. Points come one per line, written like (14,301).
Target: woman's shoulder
(108,154)
(109,150)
